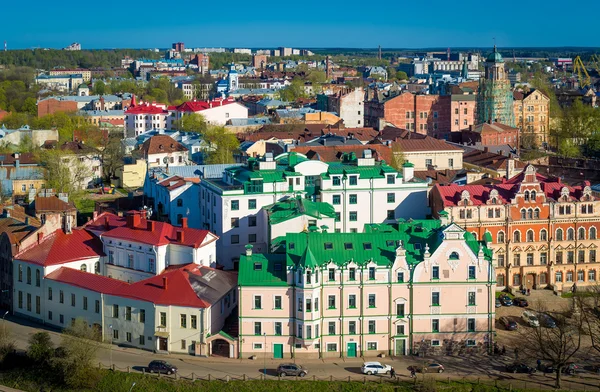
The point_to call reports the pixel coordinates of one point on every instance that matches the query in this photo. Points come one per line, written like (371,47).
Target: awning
(161,334)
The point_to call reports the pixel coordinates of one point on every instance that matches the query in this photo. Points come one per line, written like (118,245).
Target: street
(487,369)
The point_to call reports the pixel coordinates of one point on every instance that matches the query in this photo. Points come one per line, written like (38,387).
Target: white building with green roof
(360,190)
(412,287)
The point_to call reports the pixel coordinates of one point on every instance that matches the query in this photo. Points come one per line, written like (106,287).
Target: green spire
(308,261)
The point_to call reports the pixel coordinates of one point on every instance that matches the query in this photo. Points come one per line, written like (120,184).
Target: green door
(277,351)
(351,350)
(400,345)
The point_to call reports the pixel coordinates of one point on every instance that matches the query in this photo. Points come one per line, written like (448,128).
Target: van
(530,319)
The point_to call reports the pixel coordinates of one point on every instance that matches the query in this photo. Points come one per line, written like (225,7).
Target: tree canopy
(223,145)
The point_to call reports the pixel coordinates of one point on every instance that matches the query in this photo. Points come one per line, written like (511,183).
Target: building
(489,164)
(173,197)
(62,83)
(73,46)
(162,150)
(72,103)
(259,61)
(37,136)
(361,190)
(132,173)
(215,112)
(394,290)
(489,134)
(283,52)
(178,47)
(146,117)
(495,98)
(544,233)
(86,74)
(49,207)
(532,116)
(84,162)
(203,63)
(20,175)
(462,114)
(347,104)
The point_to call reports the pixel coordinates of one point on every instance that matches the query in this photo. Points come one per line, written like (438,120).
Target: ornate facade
(495,98)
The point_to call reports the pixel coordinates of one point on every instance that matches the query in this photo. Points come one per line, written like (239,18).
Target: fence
(442,382)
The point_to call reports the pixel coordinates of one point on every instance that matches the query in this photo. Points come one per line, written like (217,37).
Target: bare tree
(588,304)
(555,345)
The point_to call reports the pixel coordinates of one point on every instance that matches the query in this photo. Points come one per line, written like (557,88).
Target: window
(142,340)
(428,162)
(371,273)
(500,260)
(235,222)
(569,276)
(471,325)
(399,310)
(353,216)
(251,238)
(559,234)
(235,205)
(257,328)
(400,277)
(543,258)
(235,239)
(559,257)
(115,312)
(115,332)
(252,204)
(391,197)
(580,275)
(128,313)
(111,257)
(97,267)
(300,304)
(591,275)
(391,179)
(129,261)
(570,257)
(61,297)
(85,303)
(581,234)
(435,298)
(371,326)
(353,180)
(251,221)
(517,236)
(97,306)
(500,237)
(336,200)
(72,299)
(142,316)
(348,246)
(391,214)
(352,274)
(558,277)
(257,302)
(163,319)
(371,300)
(581,256)
(435,325)
(471,298)
(49,293)
(517,259)
(28,275)
(338,217)
(543,235)
(336,180)
(277,302)
(20,273)
(20,300)
(299,335)
(352,327)
(530,236)
(352,301)
(371,345)
(592,233)
(331,301)
(472,271)
(179,203)
(331,347)
(592,255)
(435,272)
(353,199)
(570,234)
(49,315)
(399,329)
(38,304)
(332,327)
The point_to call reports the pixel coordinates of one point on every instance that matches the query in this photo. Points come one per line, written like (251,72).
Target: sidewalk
(7,389)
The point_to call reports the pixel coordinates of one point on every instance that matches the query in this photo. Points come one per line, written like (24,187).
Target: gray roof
(212,284)
(102,112)
(87,98)
(239,122)
(201,171)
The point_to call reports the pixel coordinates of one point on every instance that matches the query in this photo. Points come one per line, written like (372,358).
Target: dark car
(508,324)
(506,301)
(570,368)
(291,369)
(519,368)
(521,302)
(546,320)
(161,367)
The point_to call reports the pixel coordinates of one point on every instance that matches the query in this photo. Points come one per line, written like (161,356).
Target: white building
(164,151)
(215,112)
(174,197)
(146,117)
(349,106)
(242,51)
(64,83)
(360,190)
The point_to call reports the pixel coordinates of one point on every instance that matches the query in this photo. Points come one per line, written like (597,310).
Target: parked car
(508,324)
(546,320)
(595,368)
(530,319)
(161,367)
(375,368)
(519,368)
(505,300)
(498,303)
(291,369)
(570,368)
(521,302)
(432,367)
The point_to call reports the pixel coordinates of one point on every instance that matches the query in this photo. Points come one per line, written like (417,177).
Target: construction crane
(595,60)
(582,73)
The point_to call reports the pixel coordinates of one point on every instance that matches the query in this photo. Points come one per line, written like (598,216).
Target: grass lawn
(503,293)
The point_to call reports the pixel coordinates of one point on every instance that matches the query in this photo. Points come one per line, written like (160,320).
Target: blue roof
(201,171)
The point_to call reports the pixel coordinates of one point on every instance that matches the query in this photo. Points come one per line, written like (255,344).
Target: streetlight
(132,385)
(265,358)
(4,321)
(111,342)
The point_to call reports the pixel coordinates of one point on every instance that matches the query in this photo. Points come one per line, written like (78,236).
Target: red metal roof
(87,280)
(197,106)
(146,109)
(162,234)
(59,248)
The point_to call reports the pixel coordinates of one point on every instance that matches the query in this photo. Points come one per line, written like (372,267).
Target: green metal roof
(495,56)
(295,207)
(262,270)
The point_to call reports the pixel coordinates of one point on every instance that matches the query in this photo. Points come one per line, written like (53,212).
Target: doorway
(163,344)
(351,351)
(400,347)
(530,281)
(277,351)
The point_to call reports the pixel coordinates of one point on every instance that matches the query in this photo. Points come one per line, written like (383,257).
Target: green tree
(292,92)
(193,122)
(401,75)
(30,106)
(41,348)
(222,145)
(64,172)
(574,128)
(99,88)
(111,156)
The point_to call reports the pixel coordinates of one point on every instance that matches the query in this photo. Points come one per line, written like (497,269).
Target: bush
(41,348)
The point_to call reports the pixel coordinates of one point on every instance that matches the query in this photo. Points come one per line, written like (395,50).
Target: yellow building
(131,176)
(532,116)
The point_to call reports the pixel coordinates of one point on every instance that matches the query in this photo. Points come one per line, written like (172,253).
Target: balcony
(253,188)
(161,332)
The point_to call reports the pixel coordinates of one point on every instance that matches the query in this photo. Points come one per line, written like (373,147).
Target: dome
(495,57)
(83,85)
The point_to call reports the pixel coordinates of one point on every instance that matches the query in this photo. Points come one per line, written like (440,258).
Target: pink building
(393,290)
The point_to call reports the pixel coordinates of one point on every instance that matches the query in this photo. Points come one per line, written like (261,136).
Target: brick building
(51,105)
(489,134)
(544,233)
(532,116)
(259,61)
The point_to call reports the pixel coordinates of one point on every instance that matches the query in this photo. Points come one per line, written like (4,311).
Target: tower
(495,99)
(232,78)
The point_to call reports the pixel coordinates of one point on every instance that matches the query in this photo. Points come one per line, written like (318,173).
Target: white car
(530,318)
(375,368)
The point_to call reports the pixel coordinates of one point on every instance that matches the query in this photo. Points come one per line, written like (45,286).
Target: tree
(588,303)
(193,122)
(397,157)
(78,349)
(7,345)
(30,106)
(111,156)
(64,172)
(292,92)
(99,88)
(222,146)
(555,345)
(41,348)
(575,127)
(401,75)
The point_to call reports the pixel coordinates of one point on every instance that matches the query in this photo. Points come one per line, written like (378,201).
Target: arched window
(500,237)
(20,273)
(530,236)
(28,275)
(500,280)
(581,234)
(474,235)
(83,268)
(454,256)
(526,195)
(570,234)
(530,214)
(97,267)
(532,195)
(559,277)
(543,235)
(559,234)
(517,236)
(536,213)
(592,233)
(37,278)
(523,214)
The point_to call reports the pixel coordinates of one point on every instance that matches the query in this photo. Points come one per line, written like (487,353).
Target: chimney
(249,250)
(486,149)
(164,282)
(133,220)
(150,225)
(106,225)
(180,236)
(184,223)
(40,236)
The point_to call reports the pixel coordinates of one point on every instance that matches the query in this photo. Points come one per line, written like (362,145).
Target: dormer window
(389,243)
(367,246)
(348,246)
(328,245)
(453,256)
(257,266)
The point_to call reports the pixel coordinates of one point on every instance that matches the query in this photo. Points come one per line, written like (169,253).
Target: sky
(299,24)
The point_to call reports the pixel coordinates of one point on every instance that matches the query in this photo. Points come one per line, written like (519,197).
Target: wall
(51,106)
(440,159)
(132,175)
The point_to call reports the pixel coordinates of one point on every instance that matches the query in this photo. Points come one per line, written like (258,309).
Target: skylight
(328,245)
(348,246)
(367,246)
(257,266)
